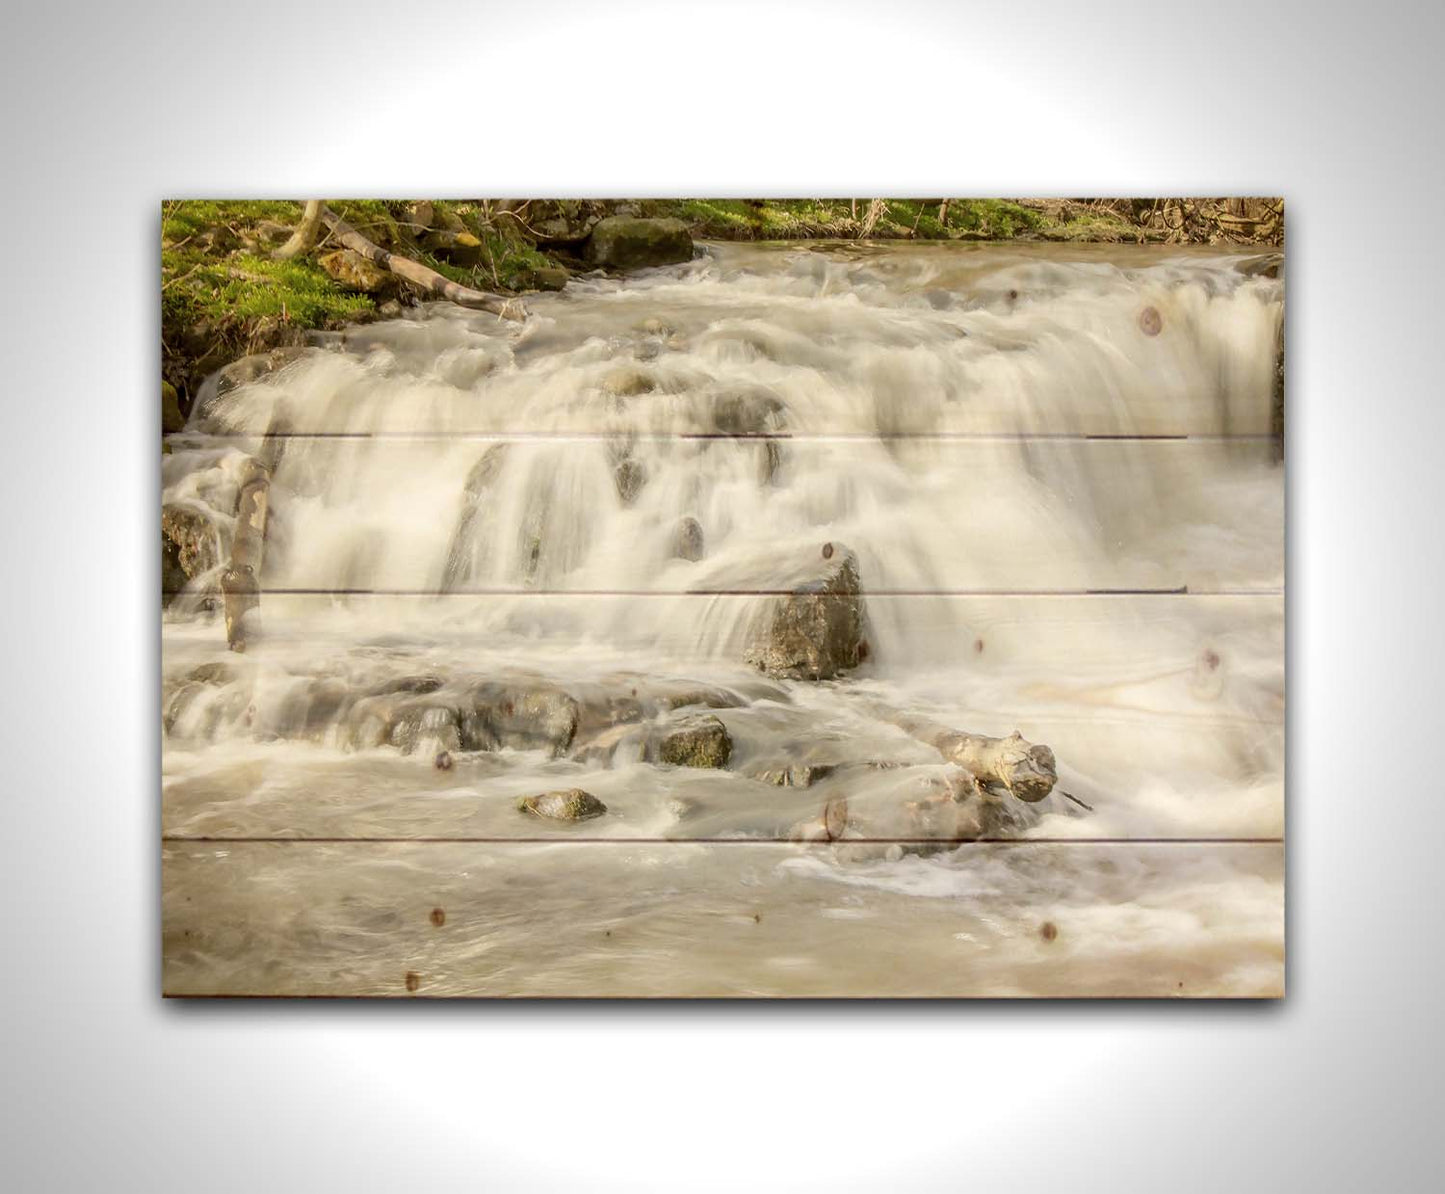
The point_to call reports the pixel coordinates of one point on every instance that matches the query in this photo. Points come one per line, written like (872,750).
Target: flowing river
(1053,469)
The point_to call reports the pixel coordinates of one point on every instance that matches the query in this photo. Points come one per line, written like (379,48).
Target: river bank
(224,295)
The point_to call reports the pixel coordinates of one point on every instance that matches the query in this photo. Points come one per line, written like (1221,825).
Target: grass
(966,219)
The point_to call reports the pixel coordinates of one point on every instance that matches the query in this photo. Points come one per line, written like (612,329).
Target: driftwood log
(240,586)
(427,280)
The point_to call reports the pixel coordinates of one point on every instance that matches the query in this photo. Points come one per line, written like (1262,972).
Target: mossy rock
(568,804)
(351,271)
(626,242)
(698,741)
(542,277)
(460,249)
(171,417)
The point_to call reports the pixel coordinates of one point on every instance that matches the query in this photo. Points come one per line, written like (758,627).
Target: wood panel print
(723,598)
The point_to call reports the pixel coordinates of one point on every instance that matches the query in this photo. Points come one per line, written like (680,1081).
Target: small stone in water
(1150,321)
(438,917)
(444,760)
(1048,930)
(570,804)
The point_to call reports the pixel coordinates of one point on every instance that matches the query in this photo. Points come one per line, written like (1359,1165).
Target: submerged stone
(630,476)
(519,718)
(687,540)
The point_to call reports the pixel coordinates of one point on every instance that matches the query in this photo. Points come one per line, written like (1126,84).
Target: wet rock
(1267,265)
(698,741)
(171,417)
(770,463)
(518,717)
(630,476)
(219,672)
(569,804)
(351,271)
(816,631)
(412,685)
(796,775)
(563,221)
(543,277)
(753,411)
(687,540)
(190,547)
(460,557)
(626,242)
(627,383)
(314,708)
(422,724)
(208,415)
(176,706)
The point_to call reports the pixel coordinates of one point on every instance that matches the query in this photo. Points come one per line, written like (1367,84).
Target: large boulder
(815,631)
(625,242)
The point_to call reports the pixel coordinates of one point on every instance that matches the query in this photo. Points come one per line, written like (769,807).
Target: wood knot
(1048,930)
(438,917)
(413,980)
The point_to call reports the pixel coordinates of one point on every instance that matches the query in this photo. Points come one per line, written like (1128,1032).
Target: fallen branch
(303,240)
(1020,768)
(419,275)
(240,588)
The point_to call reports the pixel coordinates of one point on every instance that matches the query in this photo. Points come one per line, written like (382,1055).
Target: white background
(110,108)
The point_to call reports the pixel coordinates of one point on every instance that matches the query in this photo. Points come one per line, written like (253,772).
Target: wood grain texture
(306,919)
(1204,514)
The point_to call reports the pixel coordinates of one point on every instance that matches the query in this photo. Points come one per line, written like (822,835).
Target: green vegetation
(963,219)
(224,295)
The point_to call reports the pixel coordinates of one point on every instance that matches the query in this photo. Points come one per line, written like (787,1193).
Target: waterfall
(1052,465)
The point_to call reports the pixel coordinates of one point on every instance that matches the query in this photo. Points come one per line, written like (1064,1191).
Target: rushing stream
(1053,468)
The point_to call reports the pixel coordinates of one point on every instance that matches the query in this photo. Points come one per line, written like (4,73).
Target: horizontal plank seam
(1182,591)
(727,841)
(795,437)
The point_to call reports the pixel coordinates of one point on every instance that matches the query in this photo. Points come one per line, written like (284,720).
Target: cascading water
(1052,466)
